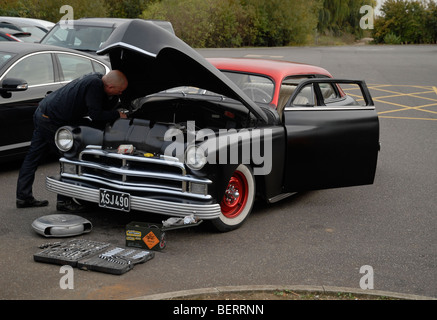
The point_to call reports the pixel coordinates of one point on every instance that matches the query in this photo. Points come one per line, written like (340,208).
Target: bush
(391,38)
(236,23)
(412,21)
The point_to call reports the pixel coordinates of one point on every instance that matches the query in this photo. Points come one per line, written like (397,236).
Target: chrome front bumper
(206,212)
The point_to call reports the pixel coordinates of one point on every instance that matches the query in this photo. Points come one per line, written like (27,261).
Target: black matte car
(29,72)
(197,144)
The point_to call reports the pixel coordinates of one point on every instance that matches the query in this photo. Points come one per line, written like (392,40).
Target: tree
(342,16)
(125,8)
(411,21)
(431,22)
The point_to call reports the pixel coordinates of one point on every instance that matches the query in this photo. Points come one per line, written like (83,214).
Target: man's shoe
(69,206)
(32,202)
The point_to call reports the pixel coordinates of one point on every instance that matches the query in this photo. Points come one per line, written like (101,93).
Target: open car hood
(154,60)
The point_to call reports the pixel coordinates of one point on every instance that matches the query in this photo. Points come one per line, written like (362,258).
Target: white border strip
(128,46)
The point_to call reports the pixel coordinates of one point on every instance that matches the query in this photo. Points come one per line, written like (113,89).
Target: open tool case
(92,255)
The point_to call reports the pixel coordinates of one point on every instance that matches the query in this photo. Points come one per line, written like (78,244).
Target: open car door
(332,140)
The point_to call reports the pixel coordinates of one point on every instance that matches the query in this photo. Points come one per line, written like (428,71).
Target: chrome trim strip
(338,108)
(55,52)
(128,46)
(15,146)
(135,173)
(126,187)
(168,161)
(207,211)
(281,196)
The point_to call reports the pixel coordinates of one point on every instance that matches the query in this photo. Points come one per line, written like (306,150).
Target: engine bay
(215,115)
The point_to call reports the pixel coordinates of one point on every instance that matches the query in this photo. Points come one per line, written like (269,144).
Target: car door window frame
(7,72)
(320,102)
(91,60)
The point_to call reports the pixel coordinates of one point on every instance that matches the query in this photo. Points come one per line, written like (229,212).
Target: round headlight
(64,139)
(195,158)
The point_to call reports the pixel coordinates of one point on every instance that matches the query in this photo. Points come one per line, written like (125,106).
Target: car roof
(102,22)
(115,22)
(276,69)
(28,21)
(23,48)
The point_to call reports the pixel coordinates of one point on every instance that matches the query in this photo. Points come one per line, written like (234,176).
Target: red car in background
(274,81)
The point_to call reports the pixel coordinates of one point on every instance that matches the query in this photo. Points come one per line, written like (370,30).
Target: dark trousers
(43,140)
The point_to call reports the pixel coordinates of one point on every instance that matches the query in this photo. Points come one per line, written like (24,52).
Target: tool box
(145,235)
(92,255)
(149,235)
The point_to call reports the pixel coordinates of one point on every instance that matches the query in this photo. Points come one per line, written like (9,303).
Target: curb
(270,288)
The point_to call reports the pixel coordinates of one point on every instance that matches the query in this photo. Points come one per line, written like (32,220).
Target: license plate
(114,200)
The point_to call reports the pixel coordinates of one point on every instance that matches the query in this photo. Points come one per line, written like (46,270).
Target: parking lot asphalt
(319,238)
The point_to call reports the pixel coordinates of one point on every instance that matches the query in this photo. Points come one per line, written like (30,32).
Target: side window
(36,69)
(328,92)
(305,97)
(74,66)
(99,68)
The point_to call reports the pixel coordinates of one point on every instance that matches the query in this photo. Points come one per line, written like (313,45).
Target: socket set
(70,252)
(115,260)
(92,255)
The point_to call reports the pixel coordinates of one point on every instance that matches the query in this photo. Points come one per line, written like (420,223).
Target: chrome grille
(135,173)
(138,171)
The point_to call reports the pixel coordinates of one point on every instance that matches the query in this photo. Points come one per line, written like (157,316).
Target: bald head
(115,82)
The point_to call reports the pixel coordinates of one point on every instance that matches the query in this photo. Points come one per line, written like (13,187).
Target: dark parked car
(88,34)
(44,25)
(7,34)
(196,144)
(28,30)
(28,72)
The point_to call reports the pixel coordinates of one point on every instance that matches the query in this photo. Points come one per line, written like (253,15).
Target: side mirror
(9,85)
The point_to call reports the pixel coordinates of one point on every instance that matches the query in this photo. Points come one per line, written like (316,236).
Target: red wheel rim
(235,197)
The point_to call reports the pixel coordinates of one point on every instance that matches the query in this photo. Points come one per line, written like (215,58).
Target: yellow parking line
(408,94)
(399,85)
(407,118)
(407,107)
(392,103)
(425,110)
(393,94)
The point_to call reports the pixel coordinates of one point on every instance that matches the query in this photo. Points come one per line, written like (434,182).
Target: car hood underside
(154,60)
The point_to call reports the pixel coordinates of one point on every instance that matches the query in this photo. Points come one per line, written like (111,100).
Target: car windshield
(256,87)
(85,38)
(4,57)
(185,90)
